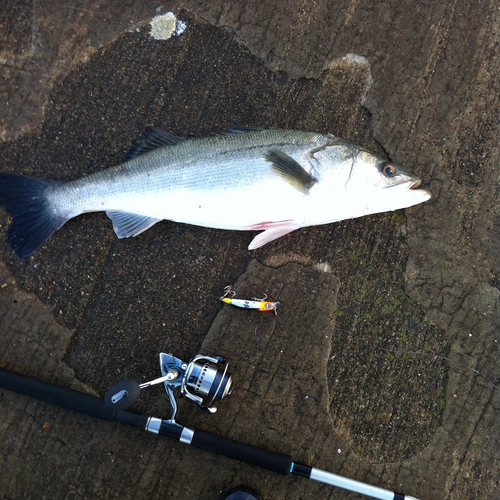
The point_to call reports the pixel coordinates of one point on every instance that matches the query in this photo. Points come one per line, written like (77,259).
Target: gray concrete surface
(383,364)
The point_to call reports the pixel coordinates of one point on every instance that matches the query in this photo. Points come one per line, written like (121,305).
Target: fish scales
(203,177)
(271,180)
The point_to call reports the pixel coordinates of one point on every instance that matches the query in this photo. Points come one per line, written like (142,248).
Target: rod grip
(270,460)
(57,395)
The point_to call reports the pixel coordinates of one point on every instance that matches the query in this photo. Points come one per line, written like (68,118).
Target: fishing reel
(201,380)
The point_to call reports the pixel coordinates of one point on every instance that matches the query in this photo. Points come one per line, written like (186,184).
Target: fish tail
(34,220)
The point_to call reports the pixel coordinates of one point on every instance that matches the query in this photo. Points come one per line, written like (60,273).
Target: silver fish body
(271,180)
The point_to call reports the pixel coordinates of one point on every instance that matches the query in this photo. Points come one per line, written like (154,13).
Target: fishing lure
(255,303)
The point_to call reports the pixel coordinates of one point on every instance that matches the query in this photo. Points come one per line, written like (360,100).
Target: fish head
(386,185)
(368,183)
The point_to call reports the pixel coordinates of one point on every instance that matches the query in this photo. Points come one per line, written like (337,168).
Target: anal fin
(126,224)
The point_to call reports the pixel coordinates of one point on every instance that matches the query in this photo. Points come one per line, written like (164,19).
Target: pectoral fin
(272,231)
(292,171)
(126,224)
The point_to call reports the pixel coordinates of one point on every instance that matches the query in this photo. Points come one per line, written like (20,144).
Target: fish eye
(388,169)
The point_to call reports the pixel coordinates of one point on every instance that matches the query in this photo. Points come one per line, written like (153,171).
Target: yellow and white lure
(255,303)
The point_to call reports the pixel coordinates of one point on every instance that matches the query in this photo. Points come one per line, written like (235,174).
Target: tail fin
(34,222)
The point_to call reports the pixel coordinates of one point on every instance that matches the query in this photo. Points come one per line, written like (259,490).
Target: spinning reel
(200,380)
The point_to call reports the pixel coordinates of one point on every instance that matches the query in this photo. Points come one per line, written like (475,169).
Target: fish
(270,180)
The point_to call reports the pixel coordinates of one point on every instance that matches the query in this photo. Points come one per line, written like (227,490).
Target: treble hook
(228,290)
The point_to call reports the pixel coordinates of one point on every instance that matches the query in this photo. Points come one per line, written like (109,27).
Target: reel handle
(122,395)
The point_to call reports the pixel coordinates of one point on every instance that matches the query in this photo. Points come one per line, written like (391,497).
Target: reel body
(200,380)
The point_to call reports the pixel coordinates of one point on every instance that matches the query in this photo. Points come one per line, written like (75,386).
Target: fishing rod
(202,379)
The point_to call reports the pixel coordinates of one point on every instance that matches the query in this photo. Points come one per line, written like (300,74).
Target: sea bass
(272,180)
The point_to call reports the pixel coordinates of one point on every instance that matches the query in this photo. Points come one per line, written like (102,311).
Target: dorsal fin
(151,139)
(243,129)
(290,170)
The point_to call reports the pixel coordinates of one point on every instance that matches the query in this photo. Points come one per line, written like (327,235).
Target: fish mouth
(408,183)
(413,186)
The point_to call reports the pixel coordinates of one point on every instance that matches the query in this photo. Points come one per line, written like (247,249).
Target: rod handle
(253,455)
(55,394)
